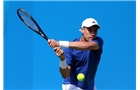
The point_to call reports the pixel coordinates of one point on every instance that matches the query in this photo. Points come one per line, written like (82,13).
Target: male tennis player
(82,55)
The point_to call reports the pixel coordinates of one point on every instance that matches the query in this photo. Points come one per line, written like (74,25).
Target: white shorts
(72,87)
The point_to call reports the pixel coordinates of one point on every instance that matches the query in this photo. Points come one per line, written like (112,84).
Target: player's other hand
(53,43)
(59,52)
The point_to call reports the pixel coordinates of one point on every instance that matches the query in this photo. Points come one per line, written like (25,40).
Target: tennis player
(82,55)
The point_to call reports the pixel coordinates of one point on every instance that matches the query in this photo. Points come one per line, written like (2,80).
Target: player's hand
(53,43)
(59,52)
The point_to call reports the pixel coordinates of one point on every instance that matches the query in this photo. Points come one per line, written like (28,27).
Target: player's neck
(82,39)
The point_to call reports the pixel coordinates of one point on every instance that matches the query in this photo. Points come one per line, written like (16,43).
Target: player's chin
(90,39)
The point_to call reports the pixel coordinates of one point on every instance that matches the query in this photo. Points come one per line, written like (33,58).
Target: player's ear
(82,29)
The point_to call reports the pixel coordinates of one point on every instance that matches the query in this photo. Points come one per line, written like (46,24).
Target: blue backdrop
(30,64)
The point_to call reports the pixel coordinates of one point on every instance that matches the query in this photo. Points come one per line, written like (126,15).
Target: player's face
(89,33)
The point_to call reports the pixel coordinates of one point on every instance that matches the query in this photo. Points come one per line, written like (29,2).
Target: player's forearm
(64,72)
(64,68)
(83,45)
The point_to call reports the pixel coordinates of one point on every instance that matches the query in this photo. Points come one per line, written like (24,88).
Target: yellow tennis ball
(80,77)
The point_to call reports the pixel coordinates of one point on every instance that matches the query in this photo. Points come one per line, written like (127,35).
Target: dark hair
(92,26)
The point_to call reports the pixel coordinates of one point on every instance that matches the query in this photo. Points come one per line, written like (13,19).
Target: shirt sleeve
(68,56)
(99,41)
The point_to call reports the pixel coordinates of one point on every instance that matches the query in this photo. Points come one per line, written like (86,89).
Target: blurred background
(30,64)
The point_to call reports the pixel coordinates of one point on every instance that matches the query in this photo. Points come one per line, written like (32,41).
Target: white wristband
(64,44)
(63,64)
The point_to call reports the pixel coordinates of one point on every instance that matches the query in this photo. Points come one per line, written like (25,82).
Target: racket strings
(28,21)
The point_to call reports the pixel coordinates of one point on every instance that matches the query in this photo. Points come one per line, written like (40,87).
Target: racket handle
(46,38)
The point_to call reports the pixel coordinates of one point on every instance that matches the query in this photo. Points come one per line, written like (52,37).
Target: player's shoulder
(99,38)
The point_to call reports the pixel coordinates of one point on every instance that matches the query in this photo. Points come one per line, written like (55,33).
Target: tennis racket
(29,21)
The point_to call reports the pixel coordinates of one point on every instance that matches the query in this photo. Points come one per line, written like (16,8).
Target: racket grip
(49,40)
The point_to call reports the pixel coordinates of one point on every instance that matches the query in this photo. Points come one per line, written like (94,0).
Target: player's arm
(76,45)
(65,72)
(84,45)
(80,45)
(64,68)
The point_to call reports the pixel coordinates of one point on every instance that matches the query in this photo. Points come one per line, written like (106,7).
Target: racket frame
(40,32)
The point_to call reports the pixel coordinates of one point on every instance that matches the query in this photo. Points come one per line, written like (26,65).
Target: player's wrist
(64,44)
(63,64)
(62,58)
